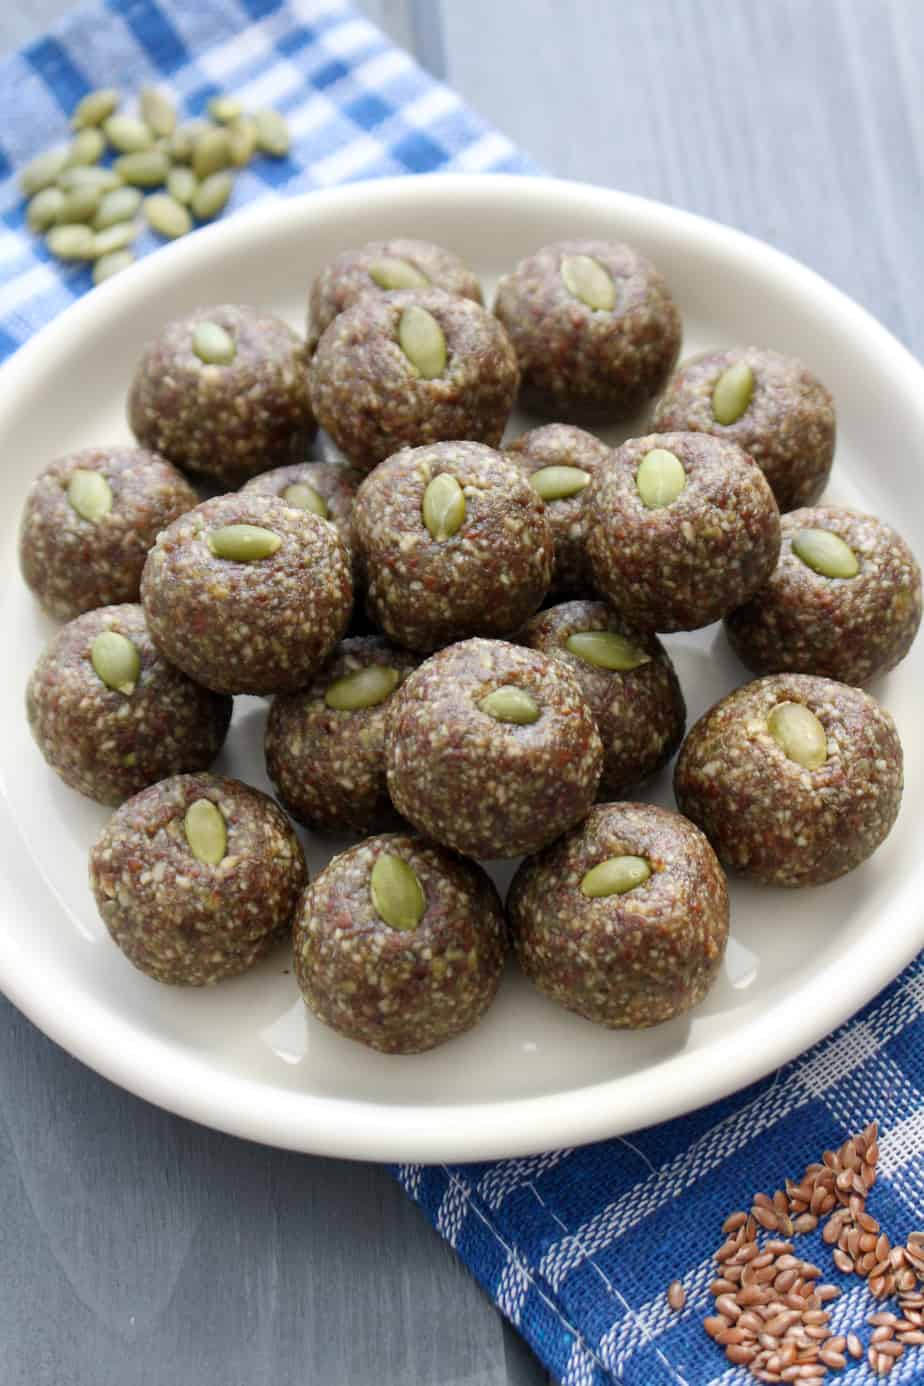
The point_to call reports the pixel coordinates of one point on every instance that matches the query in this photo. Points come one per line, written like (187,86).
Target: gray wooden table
(137,1249)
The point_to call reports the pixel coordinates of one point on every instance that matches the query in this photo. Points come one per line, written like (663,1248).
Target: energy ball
(594,327)
(110,715)
(412,367)
(379,267)
(196,878)
(559,460)
(844,600)
(492,749)
(454,542)
(769,404)
(794,779)
(247,594)
(223,392)
(325,747)
(327,489)
(625,919)
(88,522)
(681,528)
(399,944)
(629,683)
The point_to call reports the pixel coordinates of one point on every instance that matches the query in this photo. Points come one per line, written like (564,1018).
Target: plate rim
(352,1127)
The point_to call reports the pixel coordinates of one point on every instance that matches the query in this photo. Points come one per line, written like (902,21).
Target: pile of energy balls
(460,642)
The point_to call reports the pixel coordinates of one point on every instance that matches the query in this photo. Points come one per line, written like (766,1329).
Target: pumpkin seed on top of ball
(560,460)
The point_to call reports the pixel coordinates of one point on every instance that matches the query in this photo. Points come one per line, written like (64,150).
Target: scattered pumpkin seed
(211,196)
(157,111)
(127,134)
(213,345)
(397,895)
(443,507)
(182,184)
(732,393)
(89,176)
(166,216)
(211,152)
(44,208)
(243,543)
(305,497)
(586,279)
(825,553)
(79,204)
(90,494)
(43,170)
(615,876)
(117,206)
(510,704)
(87,148)
(558,483)
(391,273)
(206,832)
(114,263)
(183,140)
(146,169)
(116,661)
(73,241)
(272,133)
(422,341)
(606,649)
(362,688)
(798,732)
(242,140)
(660,478)
(95,107)
(116,237)
(224,109)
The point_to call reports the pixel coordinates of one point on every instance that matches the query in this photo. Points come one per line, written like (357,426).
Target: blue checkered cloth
(575,1246)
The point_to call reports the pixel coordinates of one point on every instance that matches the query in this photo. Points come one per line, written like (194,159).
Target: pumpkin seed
(798,732)
(392,273)
(825,553)
(182,184)
(586,279)
(95,107)
(114,263)
(87,148)
(224,109)
(305,497)
(211,195)
(243,543)
(157,111)
(510,704)
(397,895)
(113,238)
(116,206)
(181,143)
(615,876)
(80,204)
(44,208)
(146,169)
(43,170)
(443,507)
(213,345)
(72,241)
(116,661)
(89,494)
(732,393)
(272,133)
(242,141)
(362,688)
(166,216)
(211,152)
(660,478)
(558,483)
(206,832)
(127,134)
(606,649)
(422,341)
(88,176)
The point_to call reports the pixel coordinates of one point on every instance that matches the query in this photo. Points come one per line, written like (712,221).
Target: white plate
(244,1056)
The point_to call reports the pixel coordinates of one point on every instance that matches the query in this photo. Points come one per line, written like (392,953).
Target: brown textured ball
(484,579)
(225,421)
(485,787)
(371,398)
(264,626)
(335,484)
(627,960)
(686,564)
(849,629)
(767,816)
(639,709)
(107,743)
(328,763)
(182,920)
(372,270)
(577,360)
(75,564)
(563,445)
(400,991)
(788,427)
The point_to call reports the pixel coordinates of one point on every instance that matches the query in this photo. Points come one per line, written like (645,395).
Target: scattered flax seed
(677,1296)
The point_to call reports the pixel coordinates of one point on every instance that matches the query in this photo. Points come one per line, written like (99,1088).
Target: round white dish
(244,1056)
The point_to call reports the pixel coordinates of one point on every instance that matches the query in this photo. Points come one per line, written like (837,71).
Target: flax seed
(734,1221)
(677,1298)
(740,1354)
(913,1336)
(890,1348)
(730,1335)
(854,1346)
(843,1262)
(805,1222)
(767,1218)
(727,1305)
(882,1334)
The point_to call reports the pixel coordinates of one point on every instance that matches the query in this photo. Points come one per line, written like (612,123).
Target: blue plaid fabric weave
(575,1246)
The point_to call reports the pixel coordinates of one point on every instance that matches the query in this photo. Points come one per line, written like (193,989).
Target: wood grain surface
(138,1249)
